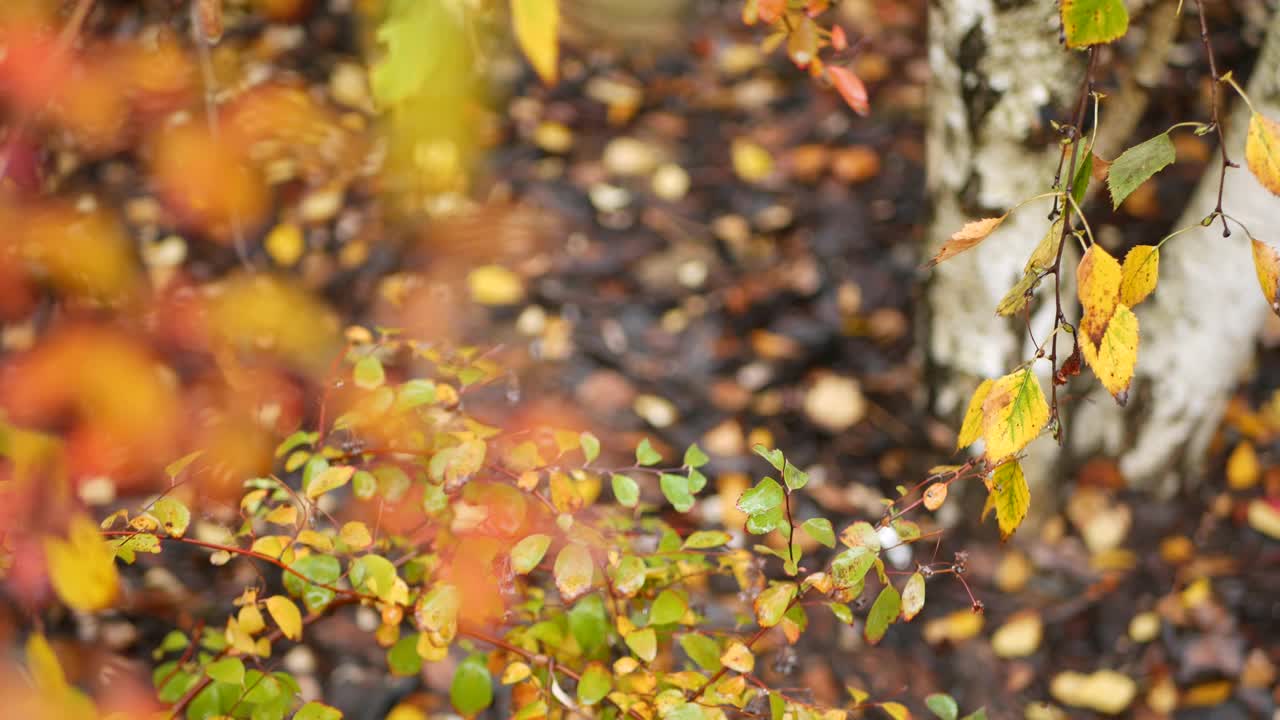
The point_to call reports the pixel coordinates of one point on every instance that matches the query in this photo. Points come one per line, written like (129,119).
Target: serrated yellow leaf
(286,616)
(1262,151)
(966,238)
(1098,278)
(537,27)
(82,567)
(1011,496)
(1114,358)
(971,428)
(1014,412)
(1139,273)
(1266,262)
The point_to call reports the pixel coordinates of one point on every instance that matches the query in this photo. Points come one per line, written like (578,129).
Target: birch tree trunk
(1199,329)
(999,74)
(998,68)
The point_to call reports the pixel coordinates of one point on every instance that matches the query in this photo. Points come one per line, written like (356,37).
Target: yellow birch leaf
(82,567)
(286,615)
(895,710)
(1243,468)
(1266,261)
(966,238)
(537,26)
(1014,412)
(971,428)
(43,665)
(1114,358)
(1012,497)
(1138,274)
(1098,278)
(1262,151)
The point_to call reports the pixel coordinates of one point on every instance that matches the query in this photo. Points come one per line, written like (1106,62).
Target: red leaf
(850,88)
(838,39)
(771,10)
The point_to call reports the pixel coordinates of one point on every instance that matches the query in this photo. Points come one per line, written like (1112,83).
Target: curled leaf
(966,238)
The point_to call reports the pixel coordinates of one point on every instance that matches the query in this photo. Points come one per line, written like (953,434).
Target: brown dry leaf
(1262,151)
(1100,169)
(966,238)
(1266,261)
(1139,273)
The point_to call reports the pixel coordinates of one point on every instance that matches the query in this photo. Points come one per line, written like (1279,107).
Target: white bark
(1198,330)
(998,71)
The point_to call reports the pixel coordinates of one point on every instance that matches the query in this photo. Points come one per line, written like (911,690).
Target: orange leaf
(1262,151)
(851,88)
(966,238)
(1266,261)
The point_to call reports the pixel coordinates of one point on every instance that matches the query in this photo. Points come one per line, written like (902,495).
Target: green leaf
(1084,171)
(1092,22)
(884,611)
(321,569)
(590,445)
(694,457)
(472,687)
(851,566)
(766,521)
(175,468)
(437,609)
(595,684)
(842,612)
(214,700)
(415,393)
(228,670)
(774,457)
(330,479)
(676,490)
(668,608)
(368,373)
(1137,164)
(943,705)
(589,624)
(403,658)
(820,530)
(318,711)
(794,477)
(625,490)
(702,650)
(766,495)
(646,455)
(697,481)
(979,714)
(629,575)
(686,711)
(374,574)
(527,553)
(1011,497)
(644,643)
(772,603)
(173,516)
(703,539)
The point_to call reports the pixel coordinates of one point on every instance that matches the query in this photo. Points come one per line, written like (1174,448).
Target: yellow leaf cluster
(1108,332)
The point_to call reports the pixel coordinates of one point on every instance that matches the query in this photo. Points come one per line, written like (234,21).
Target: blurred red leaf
(850,88)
